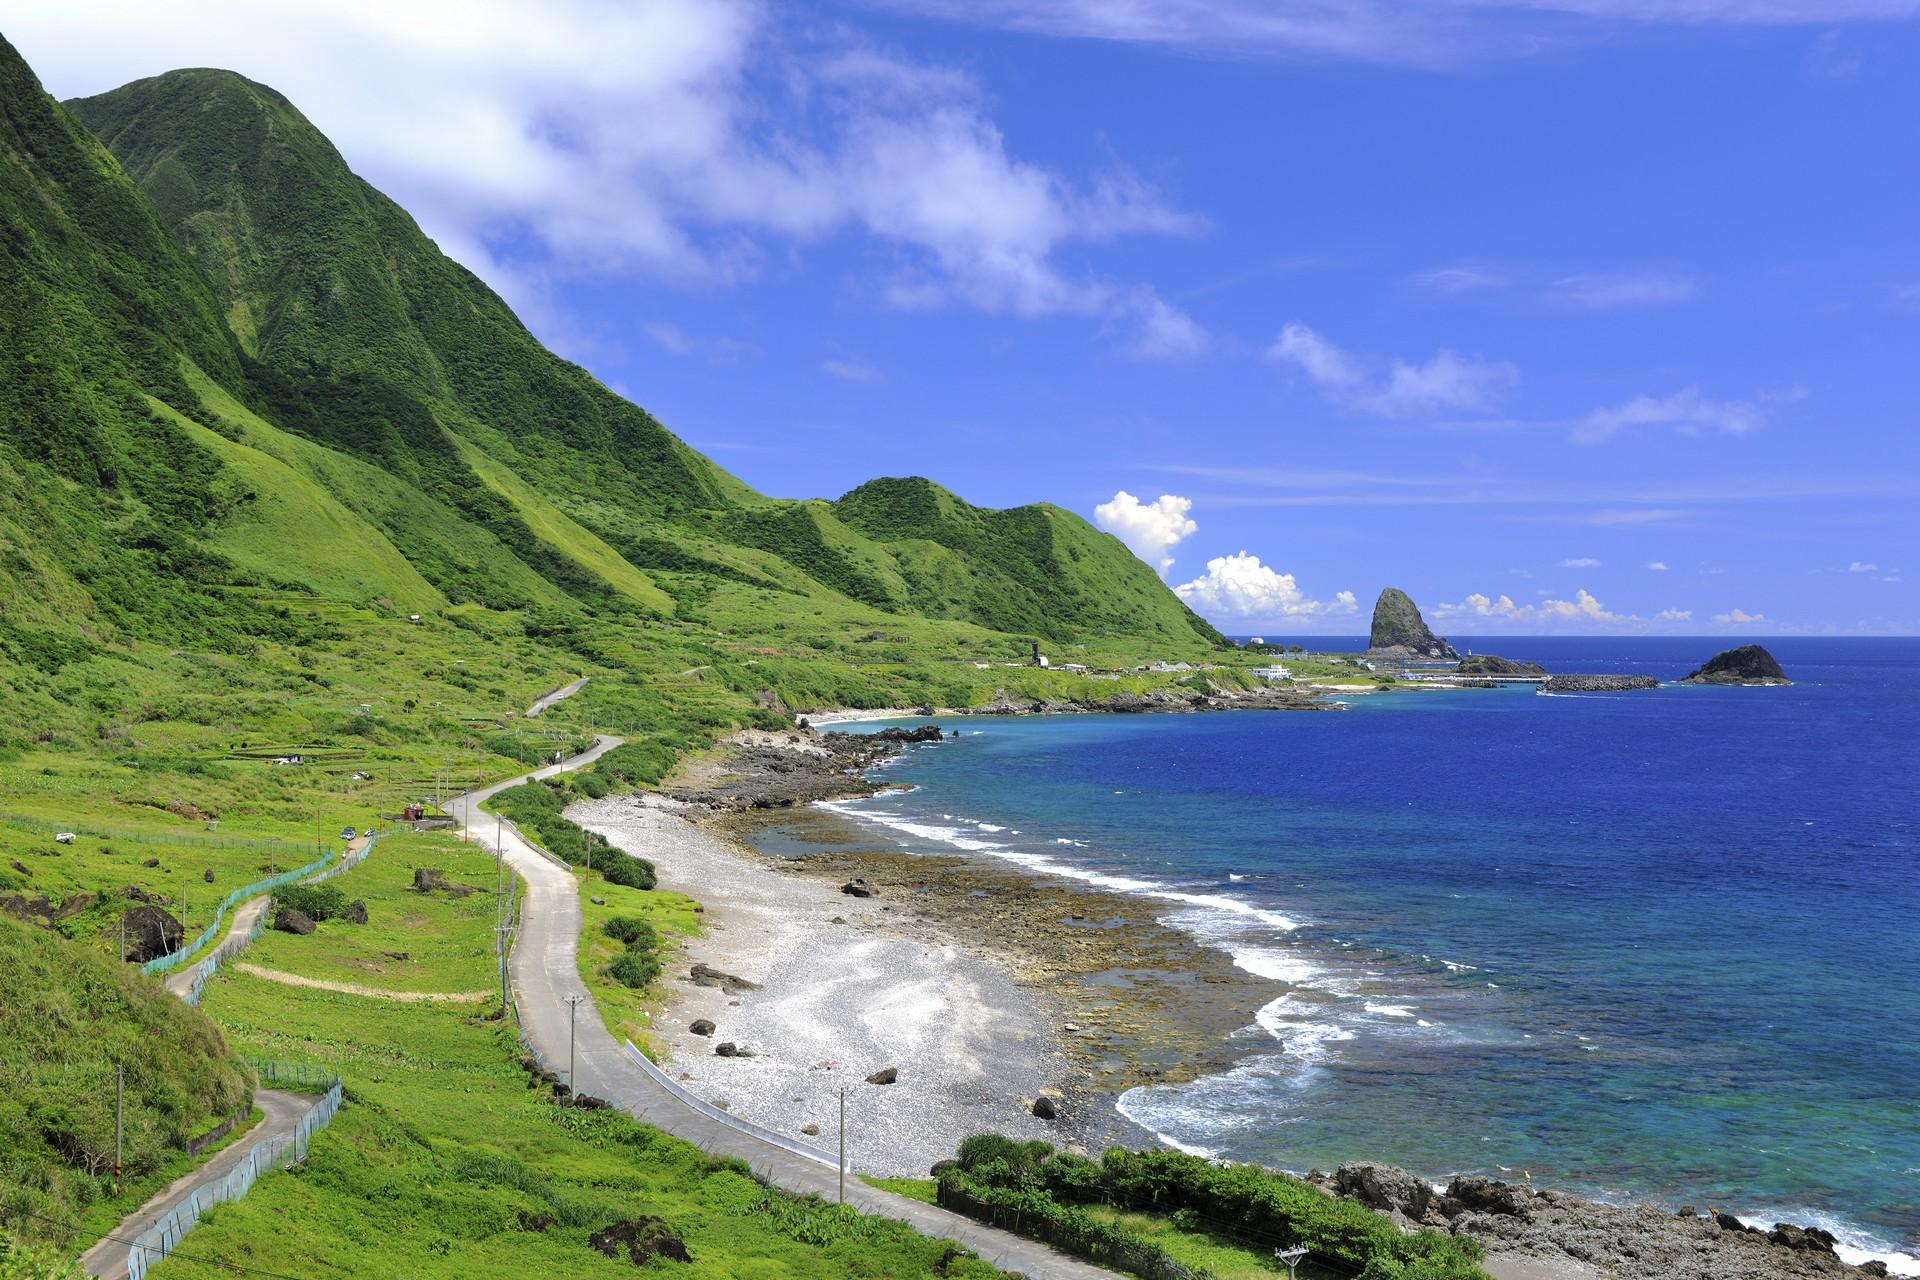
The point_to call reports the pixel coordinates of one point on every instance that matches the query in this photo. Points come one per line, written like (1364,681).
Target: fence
(161,964)
(155,1243)
(712,1112)
(347,863)
(129,835)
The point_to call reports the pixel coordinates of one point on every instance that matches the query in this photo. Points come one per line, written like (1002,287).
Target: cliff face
(1397,626)
(1748,664)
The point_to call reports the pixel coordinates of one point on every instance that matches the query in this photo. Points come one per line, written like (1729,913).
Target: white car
(64,837)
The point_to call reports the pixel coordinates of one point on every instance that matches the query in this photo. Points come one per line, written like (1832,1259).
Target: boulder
(1487,1195)
(1789,1236)
(1748,664)
(397,955)
(151,862)
(706,976)
(207,875)
(1491,664)
(152,933)
(858,888)
(1044,1108)
(811,1130)
(924,733)
(427,879)
(728,1049)
(1383,1186)
(642,1240)
(701,1027)
(287,920)
(356,912)
(1397,624)
(21,867)
(886,1075)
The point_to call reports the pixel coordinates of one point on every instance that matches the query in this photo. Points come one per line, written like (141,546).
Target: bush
(631,930)
(316,902)
(634,968)
(625,869)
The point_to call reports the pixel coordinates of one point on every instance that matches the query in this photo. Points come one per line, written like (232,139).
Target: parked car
(368,833)
(346,833)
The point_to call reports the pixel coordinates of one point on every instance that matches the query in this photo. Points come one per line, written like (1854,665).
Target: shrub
(631,930)
(315,901)
(625,869)
(634,968)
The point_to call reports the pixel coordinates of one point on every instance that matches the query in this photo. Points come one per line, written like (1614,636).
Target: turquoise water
(1659,946)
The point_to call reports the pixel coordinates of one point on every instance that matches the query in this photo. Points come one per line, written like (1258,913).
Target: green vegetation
(628,1011)
(317,902)
(1093,1209)
(639,963)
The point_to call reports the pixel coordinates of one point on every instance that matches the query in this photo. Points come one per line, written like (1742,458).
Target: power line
(172,1253)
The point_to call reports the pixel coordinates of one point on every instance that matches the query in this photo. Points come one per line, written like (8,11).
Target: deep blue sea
(1658,946)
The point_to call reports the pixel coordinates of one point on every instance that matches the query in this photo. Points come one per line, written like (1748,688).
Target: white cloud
(720,352)
(1162,331)
(1150,529)
(679,140)
(1446,382)
(1861,567)
(1738,617)
(1686,411)
(1583,608)
(852,370)
(1606,291)
(1658,566)
(1438,32)
(1674,615)
(1460,280)
(1239,588)
(1583,562)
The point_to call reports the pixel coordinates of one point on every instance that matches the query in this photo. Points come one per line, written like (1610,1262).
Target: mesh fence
(162,964)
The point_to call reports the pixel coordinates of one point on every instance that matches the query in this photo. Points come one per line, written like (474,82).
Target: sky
(1584,316)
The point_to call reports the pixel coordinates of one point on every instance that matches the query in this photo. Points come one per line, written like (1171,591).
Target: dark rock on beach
(701,1027)
(706,976)
(886,1075)
(1044,1108)
(1748,664)
(924,733)
(858,888)
(1598,684)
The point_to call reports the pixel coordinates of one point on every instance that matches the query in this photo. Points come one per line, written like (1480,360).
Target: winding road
(552,696)
(545,974)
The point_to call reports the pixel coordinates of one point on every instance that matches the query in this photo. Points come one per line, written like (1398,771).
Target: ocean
(1653,947)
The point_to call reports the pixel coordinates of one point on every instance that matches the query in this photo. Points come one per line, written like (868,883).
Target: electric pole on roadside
(573,1007)
(500,932)
(1292,1257)
(119,1095)
(843,1144)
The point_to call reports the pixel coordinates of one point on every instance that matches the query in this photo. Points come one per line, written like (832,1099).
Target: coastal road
(546,700)
(545,974)
(108,1258)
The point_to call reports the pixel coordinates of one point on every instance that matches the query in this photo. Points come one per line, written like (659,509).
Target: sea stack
(1749,664)
(1400,634)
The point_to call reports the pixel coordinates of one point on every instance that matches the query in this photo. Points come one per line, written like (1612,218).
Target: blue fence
(161,964)
(266,1155)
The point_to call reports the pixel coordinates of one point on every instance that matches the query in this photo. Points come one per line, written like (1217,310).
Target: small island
(1748,664)
(1492,664)
(1400,634)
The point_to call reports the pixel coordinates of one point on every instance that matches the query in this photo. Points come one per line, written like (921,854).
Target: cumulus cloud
(1738,617)
(1861,566)
(852,370)
(1583,562)
(1150,529)
(1239,588)
(1606,292)
(1658,566)
(1446,382)
(1582,608)
(685,141)
(1674,615)
(1687,411)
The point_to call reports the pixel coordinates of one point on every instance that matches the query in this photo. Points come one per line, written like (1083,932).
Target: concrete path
(545,973)
(546,700)
(108,1258)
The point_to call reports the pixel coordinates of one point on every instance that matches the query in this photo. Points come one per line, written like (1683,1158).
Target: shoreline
(946,901)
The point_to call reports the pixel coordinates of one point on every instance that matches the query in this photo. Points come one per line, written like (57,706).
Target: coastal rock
(288,920)
(1490,664)
(706,976)
(356,912)
(1397,624)
(1044,1108)
(811,1130)
(1748,664)
(1384,1187)
(1486,1195)
(728,1049)
(922,733)
(886,1075)
(1598,683)
(701,1027)
(858,888)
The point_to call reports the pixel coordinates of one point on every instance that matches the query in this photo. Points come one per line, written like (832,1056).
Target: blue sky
(1568,315)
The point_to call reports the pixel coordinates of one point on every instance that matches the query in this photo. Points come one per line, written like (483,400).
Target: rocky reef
(1554,1225)
(1489,664)
(1597,684)
(1400,634)
(1748,664)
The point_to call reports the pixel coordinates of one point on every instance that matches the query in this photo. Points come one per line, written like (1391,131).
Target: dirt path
(356,989)
(108,1258)
(546,972)
(552,696)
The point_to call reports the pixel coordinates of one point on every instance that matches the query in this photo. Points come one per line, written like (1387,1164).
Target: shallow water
(1656,946)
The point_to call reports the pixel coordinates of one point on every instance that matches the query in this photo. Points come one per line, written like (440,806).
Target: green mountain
(356,333)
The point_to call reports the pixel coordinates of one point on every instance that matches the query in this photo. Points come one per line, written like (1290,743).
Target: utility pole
(573,1007)
(843,1144)
(119,1096)
(500,932)
(1291,1257)
(123,937)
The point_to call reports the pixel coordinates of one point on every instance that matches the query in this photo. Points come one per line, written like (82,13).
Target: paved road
(546,700)
(108,1258)
(180,981)
(545,974)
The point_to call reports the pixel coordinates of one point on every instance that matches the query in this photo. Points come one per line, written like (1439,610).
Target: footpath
(545,974)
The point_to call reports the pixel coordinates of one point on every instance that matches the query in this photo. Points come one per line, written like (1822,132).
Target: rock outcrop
(1598,684)
(152,933)
(288,920)
(1748,664)
(1397,625)
(1490,664)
